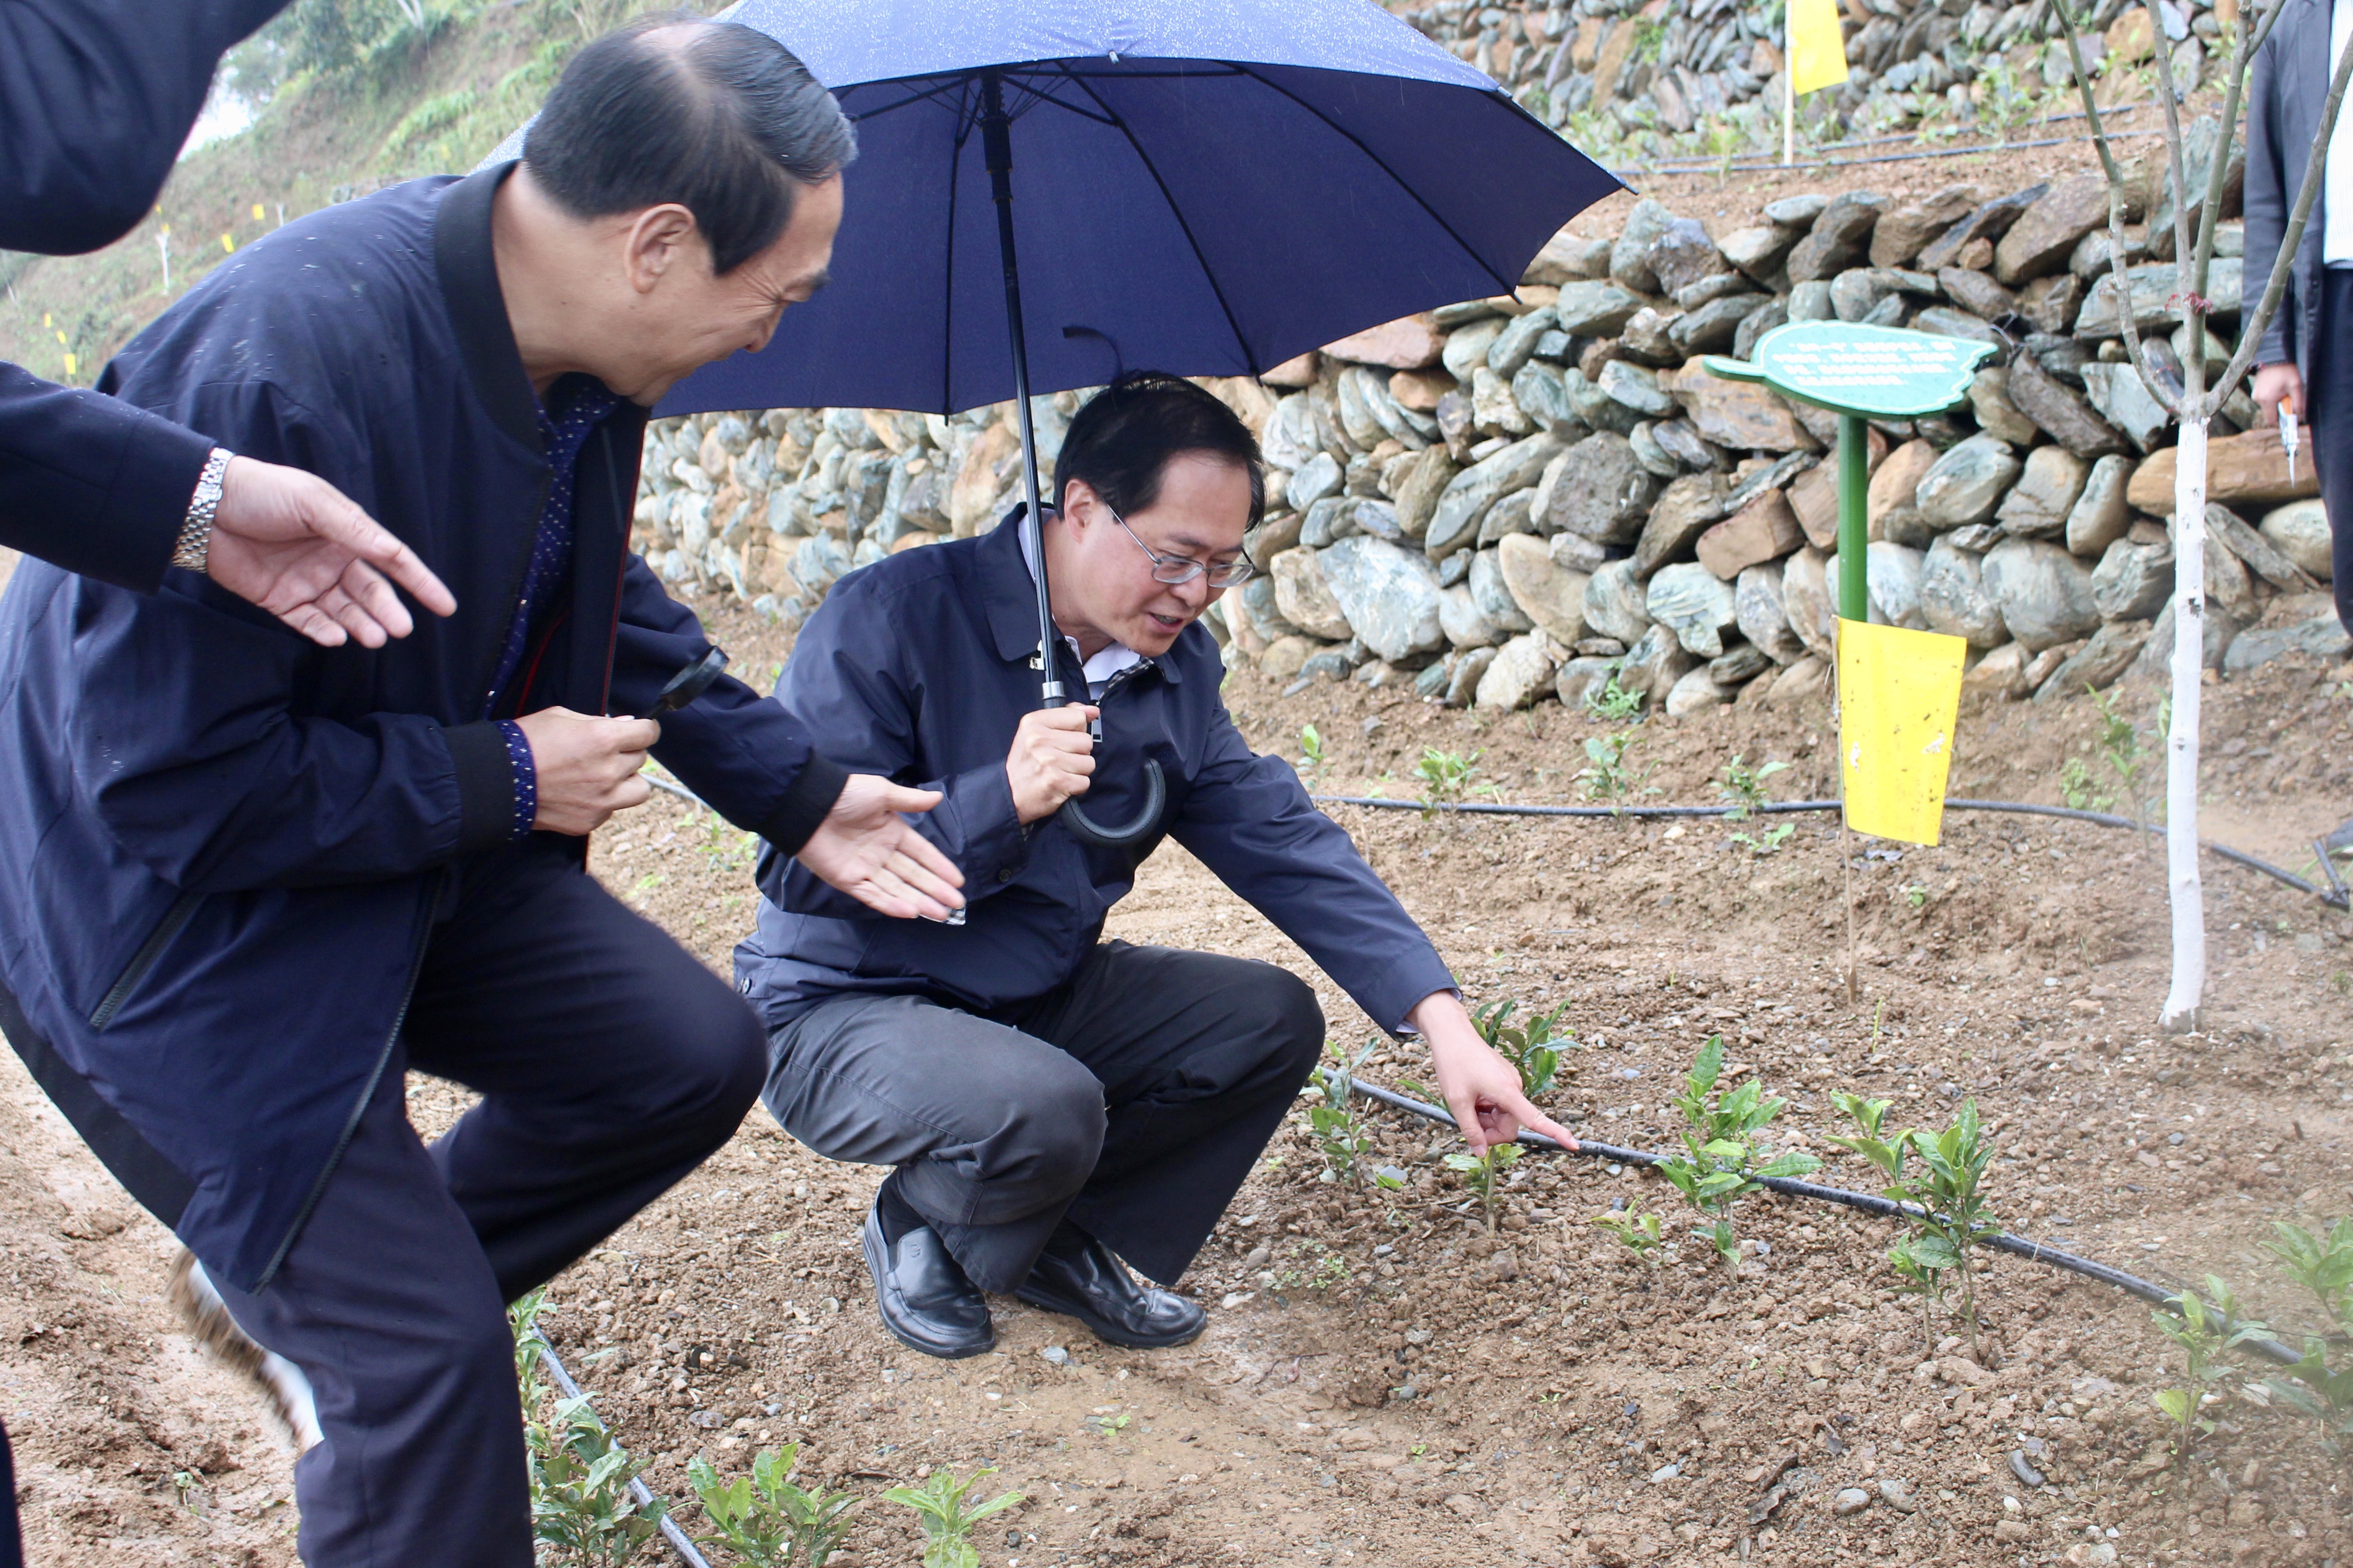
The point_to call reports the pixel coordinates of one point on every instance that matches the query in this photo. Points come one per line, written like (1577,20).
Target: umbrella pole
(996,143)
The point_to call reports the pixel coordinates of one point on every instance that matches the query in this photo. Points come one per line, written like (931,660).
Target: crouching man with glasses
(1053,1103)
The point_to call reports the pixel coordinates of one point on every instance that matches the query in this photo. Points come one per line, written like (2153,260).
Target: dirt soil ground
(1383,1381)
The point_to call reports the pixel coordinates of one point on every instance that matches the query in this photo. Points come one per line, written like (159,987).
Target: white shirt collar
(1104,665)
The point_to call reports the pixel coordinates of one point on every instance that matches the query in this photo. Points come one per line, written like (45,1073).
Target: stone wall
(1512,499)
(1646,79)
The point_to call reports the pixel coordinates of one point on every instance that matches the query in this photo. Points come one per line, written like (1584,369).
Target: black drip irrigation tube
(679,1540)
(1887,1208)
(2335,895)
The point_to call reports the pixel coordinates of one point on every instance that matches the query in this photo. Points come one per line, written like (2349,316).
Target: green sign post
(1859,372)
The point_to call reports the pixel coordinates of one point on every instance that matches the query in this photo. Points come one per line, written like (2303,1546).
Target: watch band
(194,549)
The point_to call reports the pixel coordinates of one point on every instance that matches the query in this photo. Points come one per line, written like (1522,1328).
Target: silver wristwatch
(196,543)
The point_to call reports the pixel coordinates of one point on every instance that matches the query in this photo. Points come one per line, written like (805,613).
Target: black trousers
(611,1063)
(1132,1100)
(2331,395)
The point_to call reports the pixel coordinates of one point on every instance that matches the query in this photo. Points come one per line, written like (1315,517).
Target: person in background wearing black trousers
(2306,358)
(97,98)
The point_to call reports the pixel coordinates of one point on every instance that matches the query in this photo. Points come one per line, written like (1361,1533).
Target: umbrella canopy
(1199,186)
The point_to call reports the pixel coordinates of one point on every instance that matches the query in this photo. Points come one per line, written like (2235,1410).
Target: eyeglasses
(1173,570)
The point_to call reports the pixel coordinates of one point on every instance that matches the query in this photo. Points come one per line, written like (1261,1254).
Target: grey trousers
(1132,1099)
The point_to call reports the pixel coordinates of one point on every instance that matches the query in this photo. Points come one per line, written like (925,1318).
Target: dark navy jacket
(919,668)
(96,99)
(221,845)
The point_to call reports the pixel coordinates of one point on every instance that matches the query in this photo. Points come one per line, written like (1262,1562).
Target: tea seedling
(2121,746)
(1949,1190)
(2325,1267)
(1612,701)
(579,1478)
(1718,1166)
(1532,1048)
(947,1523)
(767,1520)
(1483,1175)
(1339,1132)
(1606,776)
(1743,787)
(2204,1331)
(1312,759)
(1445,776)
(1636,1228)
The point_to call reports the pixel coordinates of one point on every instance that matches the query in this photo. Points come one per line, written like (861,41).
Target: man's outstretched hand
(1479,1086)
(863,848)
(295,544)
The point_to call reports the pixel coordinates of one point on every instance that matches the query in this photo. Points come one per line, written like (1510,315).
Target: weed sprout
(1313,758)
(1609,700)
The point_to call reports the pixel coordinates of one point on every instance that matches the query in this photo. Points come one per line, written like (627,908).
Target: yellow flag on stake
(1899,694)
(1817,51)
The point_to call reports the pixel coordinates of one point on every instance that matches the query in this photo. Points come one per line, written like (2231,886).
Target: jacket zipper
(144,959)
(367,1091)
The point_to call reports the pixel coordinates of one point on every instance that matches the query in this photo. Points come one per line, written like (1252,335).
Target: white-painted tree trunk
(2187,896)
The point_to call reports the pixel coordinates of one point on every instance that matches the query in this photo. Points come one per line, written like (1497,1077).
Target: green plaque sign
(1858,373)
(1880,372)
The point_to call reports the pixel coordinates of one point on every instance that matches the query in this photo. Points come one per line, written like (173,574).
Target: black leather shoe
(924,1298)
(1077,1276)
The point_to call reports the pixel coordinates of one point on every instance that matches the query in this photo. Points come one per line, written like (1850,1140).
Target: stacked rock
(1664,77)
(1541,493)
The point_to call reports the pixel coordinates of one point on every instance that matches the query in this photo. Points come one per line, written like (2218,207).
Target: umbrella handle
(1156,797)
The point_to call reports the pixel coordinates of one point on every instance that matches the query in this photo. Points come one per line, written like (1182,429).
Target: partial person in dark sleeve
(1053,1103)
(246,882)
(96,99)
(2304,360)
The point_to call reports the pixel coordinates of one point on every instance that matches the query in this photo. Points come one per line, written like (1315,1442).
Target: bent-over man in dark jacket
(1053,1103)
(246,883)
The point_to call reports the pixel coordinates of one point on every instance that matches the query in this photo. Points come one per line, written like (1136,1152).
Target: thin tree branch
(2252,329)
(2115,178)
(2217,177)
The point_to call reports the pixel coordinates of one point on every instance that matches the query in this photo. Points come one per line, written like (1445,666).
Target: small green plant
(1606,775)
(1445,777)
(1743,787)
(2123,749)
(1340,1133)
(1945,1186)
(2313,1386)
(1484,1174)
(2204,1329)
(947,1523)
(1312,759)
(1768,842)
(1533,1048)
(1718,1165)
(1638,1230)
(1610,700)
(581,1499)
(2075,787)
(767,1519)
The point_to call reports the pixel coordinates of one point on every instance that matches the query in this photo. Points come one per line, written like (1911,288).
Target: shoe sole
(869,1241)
(1110,1334)
(206,1319)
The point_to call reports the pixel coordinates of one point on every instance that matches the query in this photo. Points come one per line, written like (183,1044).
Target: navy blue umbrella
(1208,187)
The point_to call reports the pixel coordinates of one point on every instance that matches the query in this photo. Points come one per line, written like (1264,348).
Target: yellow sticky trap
(1899,695)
